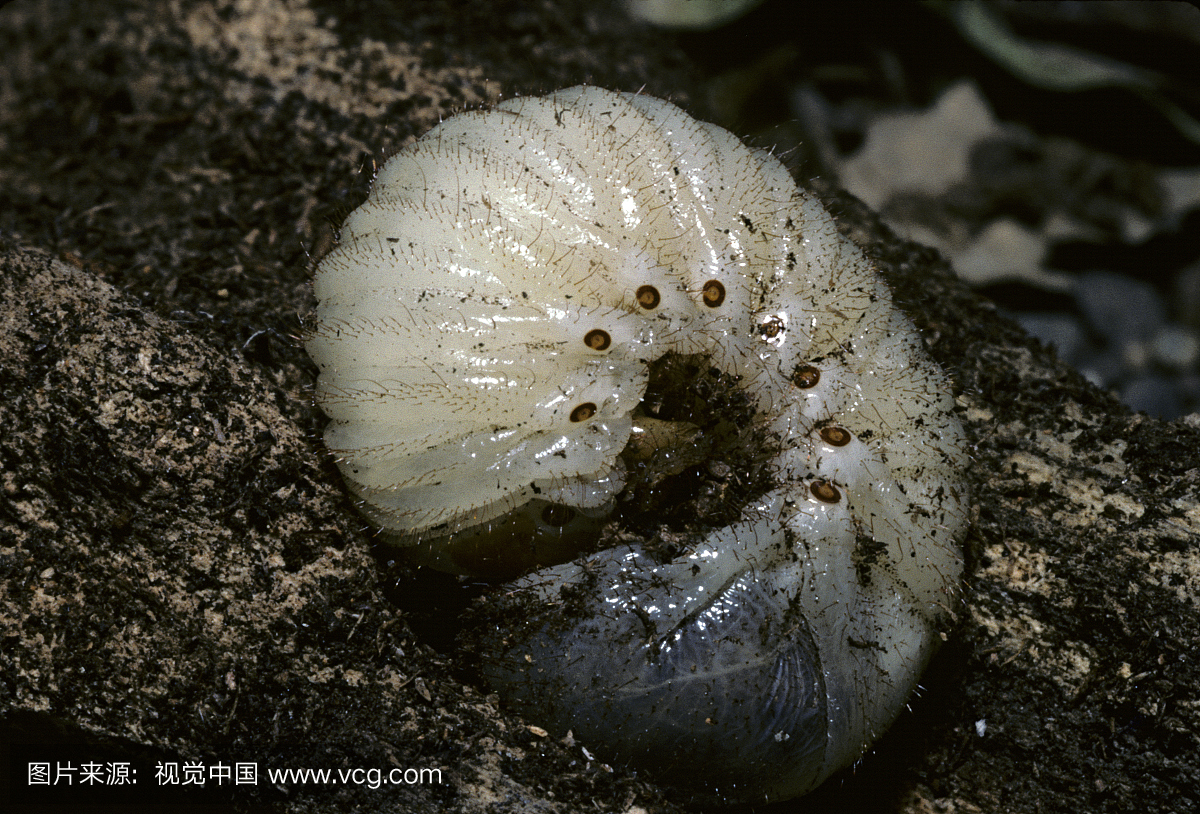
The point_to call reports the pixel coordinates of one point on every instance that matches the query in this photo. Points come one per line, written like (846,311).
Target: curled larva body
(486,331)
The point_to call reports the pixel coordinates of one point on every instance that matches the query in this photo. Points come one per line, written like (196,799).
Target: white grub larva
(487,331)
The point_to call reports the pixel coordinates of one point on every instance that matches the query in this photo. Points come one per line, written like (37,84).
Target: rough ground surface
(183,577)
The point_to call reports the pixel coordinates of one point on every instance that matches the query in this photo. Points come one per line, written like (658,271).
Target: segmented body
(485,331)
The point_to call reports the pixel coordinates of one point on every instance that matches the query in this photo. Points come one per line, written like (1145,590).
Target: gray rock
(1153,394)
(1120,308)
(1062,332)
(1176,347)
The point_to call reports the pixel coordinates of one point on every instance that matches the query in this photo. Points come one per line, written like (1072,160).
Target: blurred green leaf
(1057,67)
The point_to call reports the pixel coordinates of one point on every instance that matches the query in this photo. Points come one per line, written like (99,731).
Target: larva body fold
(486,332)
